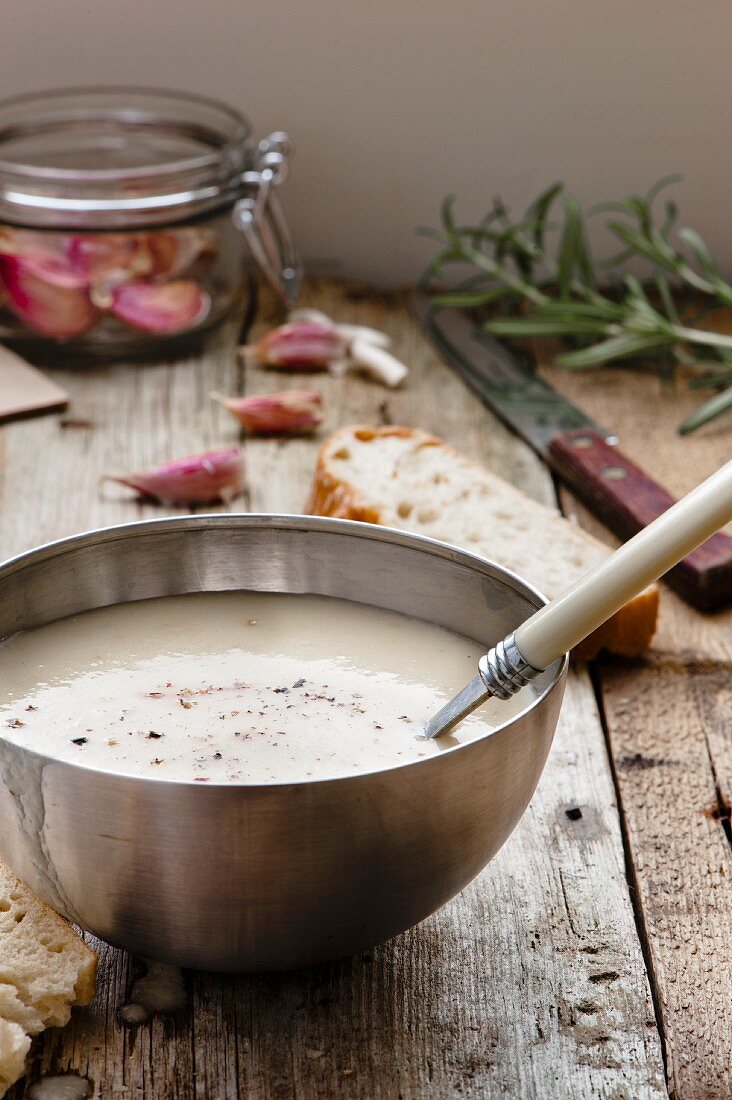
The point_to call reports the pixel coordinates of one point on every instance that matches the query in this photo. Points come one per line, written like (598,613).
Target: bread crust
(628,632)
(329,495)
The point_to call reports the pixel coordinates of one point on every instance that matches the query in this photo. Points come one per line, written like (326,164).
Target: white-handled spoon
(594,598)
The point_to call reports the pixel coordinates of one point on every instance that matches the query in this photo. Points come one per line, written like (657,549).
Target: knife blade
(502,378)
(586,457)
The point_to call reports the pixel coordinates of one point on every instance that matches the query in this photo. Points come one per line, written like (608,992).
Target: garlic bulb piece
(291,411)
(195,479)
(378,363)
(300,345)
(347,331)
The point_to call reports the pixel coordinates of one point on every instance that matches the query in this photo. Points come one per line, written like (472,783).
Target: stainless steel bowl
(267,877)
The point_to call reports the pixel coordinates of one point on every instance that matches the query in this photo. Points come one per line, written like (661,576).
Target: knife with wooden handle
(584,456)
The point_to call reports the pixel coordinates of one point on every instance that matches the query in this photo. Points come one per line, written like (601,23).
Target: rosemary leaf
(538,212)
(537,325)
(617,347)
(715,407)
(660,185)
(709,381)
(470,300)
(701,252)
(573,254)
(599,307)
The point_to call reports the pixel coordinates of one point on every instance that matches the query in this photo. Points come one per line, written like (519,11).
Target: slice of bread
(14,1047)
(405,478)
(45,968)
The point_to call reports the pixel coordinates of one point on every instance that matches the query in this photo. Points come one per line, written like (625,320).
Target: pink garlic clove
(42,253)
(301,345)
(55,270)
(195,479)
(174,251)
(161,308)
(109,258)
(55,308)
(290,411)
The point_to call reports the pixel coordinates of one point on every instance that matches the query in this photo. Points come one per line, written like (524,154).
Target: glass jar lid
(103,158)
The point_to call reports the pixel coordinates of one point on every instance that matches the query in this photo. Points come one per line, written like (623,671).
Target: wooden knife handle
(626,500)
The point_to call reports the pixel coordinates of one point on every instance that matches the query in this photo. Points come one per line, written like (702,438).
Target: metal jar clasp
(260,217)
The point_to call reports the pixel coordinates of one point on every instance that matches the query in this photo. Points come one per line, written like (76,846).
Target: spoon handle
(563,623)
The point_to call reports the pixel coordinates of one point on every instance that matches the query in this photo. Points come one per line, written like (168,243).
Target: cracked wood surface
(532,982)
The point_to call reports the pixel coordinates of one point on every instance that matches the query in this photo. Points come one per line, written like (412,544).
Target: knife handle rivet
(615,473)
(583,442)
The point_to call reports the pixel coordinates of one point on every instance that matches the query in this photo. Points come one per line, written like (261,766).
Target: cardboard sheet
(25,390)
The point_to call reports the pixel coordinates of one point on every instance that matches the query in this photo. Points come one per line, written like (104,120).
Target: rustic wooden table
(593,957)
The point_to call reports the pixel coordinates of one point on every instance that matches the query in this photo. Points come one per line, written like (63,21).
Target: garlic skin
(348,332)
(378,363)
(299,345)
(162,308)
(194,479)
(315,315)
(287,412)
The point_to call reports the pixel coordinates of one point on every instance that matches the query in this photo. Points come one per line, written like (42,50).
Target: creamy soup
(238,687)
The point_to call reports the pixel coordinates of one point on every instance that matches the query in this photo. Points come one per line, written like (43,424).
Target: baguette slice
(45,968)
(405,478)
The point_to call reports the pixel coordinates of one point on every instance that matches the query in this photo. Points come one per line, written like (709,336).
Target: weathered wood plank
(532,982)
(663,723)
(669,726)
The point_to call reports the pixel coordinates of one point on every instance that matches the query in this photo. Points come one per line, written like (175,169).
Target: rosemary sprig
(540,267)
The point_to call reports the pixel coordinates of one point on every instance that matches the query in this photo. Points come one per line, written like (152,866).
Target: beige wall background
(394,103)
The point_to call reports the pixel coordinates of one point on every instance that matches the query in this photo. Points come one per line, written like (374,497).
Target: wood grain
(532,982)
(668,725)
(663,724)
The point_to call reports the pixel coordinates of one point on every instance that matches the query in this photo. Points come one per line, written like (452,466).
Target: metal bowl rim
(280,521)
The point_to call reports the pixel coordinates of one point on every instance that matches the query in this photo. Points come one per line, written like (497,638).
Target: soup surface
(238,687)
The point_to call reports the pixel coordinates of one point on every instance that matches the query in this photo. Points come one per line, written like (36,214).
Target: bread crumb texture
(45,968)
(405,478)
(14,1047)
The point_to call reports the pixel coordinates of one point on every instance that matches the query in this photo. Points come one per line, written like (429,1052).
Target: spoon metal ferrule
(502,671)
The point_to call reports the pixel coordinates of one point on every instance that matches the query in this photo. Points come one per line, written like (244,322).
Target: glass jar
(125,216)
